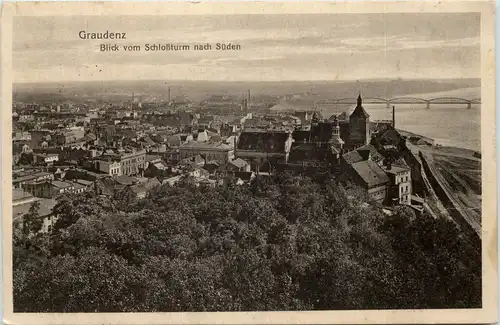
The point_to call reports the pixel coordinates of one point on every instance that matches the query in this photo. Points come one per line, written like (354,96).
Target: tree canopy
(286,242)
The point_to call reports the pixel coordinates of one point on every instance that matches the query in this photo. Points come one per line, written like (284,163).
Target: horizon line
(236,81)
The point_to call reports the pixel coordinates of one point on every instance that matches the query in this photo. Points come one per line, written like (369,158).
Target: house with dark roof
(60,187)
(239,165)
(352,157)
(217,151)
(39,188)
(303,116)
(152,159)
(390,137)
(263,148)
(157,169)
(194,161)
(366,152)
(372,178)
(211,166)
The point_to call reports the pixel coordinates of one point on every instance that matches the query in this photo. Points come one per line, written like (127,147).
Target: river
(449,125)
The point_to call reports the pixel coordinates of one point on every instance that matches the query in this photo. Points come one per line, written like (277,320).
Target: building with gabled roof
(218,151)
(238,164)
(371,177)
(264,148)
(363,153)
(400,184)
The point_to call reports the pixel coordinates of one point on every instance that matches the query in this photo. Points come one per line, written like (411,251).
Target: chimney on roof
(388,163)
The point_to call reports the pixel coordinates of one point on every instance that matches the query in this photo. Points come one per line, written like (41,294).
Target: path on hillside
(433,203)
(461,208)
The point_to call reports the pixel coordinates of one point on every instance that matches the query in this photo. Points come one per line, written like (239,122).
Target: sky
(273,47)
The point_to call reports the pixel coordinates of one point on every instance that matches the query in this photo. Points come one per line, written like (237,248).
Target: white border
(487,314)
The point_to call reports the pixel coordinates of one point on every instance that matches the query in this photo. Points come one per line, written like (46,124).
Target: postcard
(249,163)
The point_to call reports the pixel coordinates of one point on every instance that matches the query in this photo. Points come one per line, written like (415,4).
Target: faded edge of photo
(488,312)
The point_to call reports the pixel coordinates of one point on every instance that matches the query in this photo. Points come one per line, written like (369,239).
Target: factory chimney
(244,106)
(248,99)
(169,94)
(393,116)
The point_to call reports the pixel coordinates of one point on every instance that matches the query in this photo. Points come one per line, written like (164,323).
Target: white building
(45,158)
(400,184)
(110,167)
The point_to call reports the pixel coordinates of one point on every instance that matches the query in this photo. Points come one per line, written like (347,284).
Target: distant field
(198,90)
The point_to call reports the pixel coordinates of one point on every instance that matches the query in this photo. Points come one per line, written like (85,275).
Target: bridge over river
(403,100)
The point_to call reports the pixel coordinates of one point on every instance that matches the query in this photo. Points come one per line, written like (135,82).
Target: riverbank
(459,172)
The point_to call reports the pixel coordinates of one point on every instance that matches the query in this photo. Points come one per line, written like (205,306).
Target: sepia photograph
(242,161)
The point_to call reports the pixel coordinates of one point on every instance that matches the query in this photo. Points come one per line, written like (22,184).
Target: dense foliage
(282,243)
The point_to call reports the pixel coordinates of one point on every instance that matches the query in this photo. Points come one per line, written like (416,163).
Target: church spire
(360,101)
(315,118)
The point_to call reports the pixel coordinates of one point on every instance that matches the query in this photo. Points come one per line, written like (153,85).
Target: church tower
(336,143)
(315,119)
(359,126)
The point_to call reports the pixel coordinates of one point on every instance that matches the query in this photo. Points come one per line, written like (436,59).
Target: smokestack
(169,94)
(248,100)
(245,105)
(394,116)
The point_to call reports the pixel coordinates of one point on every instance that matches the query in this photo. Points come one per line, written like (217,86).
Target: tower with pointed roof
(315,118)
(336,143)
(359,126)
